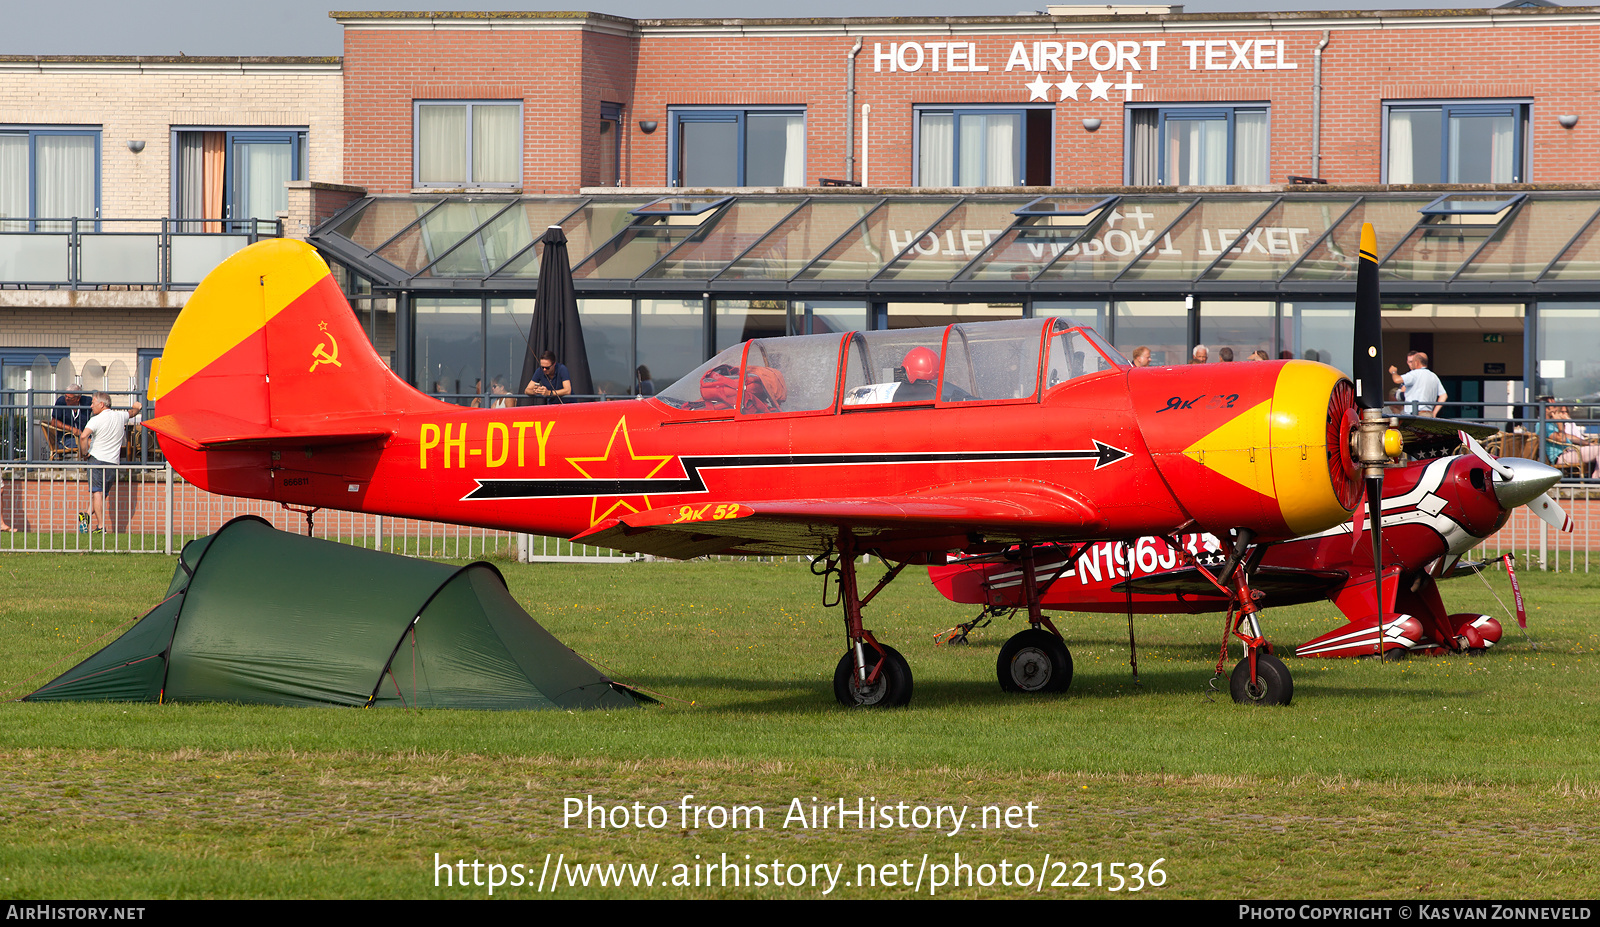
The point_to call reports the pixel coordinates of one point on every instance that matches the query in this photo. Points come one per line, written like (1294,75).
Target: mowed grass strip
(1445,777)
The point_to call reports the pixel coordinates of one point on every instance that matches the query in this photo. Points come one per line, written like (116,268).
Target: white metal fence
(152,510)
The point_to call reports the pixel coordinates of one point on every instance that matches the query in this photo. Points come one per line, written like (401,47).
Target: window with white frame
(982,146)
(48,173)
(468,143)
(1455,141)
(1198,145)
(718,147)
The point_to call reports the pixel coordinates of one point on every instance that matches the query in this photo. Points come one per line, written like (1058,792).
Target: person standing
(551,382)
(1199,354)
(1420,387)
(1141,356)
(104,434)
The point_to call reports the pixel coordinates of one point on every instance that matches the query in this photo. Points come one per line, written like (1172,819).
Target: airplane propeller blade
(1554,515)
(1493,463)
(1367,368)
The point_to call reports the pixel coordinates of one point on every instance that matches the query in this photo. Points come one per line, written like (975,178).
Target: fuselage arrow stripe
(692,482)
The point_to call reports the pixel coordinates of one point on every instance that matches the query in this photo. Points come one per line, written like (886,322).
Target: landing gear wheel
(1396,654)
(1273,685)
(892,688)
(1034,661)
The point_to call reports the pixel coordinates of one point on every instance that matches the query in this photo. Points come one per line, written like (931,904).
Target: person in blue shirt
(551,382)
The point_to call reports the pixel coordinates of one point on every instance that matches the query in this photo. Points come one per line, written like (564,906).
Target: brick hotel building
(1172,178)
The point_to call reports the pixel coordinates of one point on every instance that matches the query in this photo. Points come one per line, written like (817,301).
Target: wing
(1281,585)
(1436,437)
(934,521)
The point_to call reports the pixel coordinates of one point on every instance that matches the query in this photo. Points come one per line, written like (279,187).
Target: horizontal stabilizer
(204,430)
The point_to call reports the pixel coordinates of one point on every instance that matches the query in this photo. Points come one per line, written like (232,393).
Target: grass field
(1450,777)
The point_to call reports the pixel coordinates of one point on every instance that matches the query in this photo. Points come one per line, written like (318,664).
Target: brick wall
(143,98)
(563,69)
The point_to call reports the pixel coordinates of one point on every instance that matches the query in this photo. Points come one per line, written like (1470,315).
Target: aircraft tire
(1034,661)
(892,689)
(1274,685)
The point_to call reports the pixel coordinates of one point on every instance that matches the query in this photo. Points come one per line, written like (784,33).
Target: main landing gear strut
(1260,678)
(1037,659)
(870,674)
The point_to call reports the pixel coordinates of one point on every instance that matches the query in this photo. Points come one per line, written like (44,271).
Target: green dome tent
(257,615)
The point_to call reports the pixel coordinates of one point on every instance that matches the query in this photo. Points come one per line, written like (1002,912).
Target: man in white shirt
(1423,393)
(104,434)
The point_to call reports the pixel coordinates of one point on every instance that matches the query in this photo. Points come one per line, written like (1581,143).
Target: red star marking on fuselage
(618,463)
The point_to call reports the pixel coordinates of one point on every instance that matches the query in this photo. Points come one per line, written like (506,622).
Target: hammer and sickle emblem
(321,355)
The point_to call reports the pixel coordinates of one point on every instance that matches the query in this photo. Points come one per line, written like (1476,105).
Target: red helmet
(921,364)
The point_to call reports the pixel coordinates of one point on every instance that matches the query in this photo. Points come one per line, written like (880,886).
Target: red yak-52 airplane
(910,444)
(1434,511)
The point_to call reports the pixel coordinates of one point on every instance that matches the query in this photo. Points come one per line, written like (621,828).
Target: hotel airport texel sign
(1064,58)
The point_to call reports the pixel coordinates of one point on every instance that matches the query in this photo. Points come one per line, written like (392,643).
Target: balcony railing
(161,254)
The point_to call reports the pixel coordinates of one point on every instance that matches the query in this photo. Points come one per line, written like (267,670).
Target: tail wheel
(892,688)
(1273,684)
(1034,661)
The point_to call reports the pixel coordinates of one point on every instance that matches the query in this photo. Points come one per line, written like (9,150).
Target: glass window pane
(64,186)
(819,317)
(1089,313)
(586,230)
(1250,149)
(608,337)
(13,182)
(1570,333)
(739,227)
(1537,234)
(1162,326)
(922,315)
(1320,331)
(876,241)
(1278,239)
(1198,239)
(1240,328)
(1136,224)
(509,320)
(1416,145)
(774,150)
(1197,150)
(671,336)
(449,347)
(442,143)
(496,143)
(1335,257)
(958,238)
(798,239)
(708,154)
(744,319)
(260,170)
(936,150)
(1481,149)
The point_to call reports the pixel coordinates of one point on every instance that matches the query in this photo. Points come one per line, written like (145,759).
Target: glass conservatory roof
(936,243)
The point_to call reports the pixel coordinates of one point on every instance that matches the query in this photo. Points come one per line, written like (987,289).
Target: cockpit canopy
(961,363)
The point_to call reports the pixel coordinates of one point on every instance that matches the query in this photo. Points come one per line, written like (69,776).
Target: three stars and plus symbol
(1099,88)
(619,462)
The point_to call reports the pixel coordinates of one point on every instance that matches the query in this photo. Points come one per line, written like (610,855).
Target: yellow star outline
(622,468)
